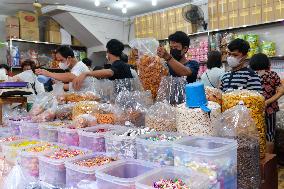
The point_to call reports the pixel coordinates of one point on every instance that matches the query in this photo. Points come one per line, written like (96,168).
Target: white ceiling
(134,7)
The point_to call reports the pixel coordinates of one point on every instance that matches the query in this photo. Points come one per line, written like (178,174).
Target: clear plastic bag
(79,96)
(255,102)
(40,104)
(48,115)
(105,114)
(172,89)
(151,69)
(64,112)
(105,89)
(213,94)
(161,117)
(237,123)
(85,107)
(83,121)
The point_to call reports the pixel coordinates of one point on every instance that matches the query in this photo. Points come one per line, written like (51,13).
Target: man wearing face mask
(67,61)
(240,76)
(117,69)
(178,64)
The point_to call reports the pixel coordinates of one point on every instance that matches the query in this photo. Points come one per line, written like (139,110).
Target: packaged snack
(84,107)
(84,120)
(214,95)
(64,112)
(105,114)
(268,48)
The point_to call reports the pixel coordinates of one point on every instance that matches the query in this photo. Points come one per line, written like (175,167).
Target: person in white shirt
(212,77)
(67,61)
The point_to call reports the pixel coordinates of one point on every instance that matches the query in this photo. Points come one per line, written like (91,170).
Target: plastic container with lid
(30,130)
(150,148)
(11,149)
(11,138)
(53,171)
(29,157)
(76,173)
(122,174)
(49,131)
(93,138)
(216,157)
(192,179)
(68,136)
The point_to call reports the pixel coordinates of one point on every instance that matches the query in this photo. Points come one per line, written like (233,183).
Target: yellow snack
(84,107)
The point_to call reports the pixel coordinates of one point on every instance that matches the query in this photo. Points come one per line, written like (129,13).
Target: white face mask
(233,62)
(63,65)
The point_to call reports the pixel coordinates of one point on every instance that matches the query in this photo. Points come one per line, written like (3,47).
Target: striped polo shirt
(244,78)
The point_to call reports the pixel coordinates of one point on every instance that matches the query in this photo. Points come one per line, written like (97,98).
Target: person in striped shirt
(240,76)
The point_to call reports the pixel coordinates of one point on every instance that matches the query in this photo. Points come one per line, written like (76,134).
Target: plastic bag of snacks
(161,117)
(40,104)
(84,120)
(105,114)
(78,97)
(47,115)
(214,95)
(255,102)
(150,67)
(172,90)
(237,123)
(85,107)
(105,89)
(131,108)
(64,112)
(268,48)
(253,40)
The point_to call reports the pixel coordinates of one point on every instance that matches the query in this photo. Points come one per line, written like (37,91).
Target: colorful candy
(163,137)
(65,153)
(42,148)
(24,143)
(170,184)
(96,161)
(9,139)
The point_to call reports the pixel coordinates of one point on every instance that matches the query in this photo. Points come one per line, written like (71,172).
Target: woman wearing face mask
(178,64)
(118,69)
(67,61)
(240,76)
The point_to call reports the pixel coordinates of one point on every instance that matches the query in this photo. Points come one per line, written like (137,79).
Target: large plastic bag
(19,179)
(237,123)
(64,112)
(213,94)
(161,117)
(151,69)
(85,107)
(40,104)
(83,121)
(106,114)
(255,102)
(49,114)
(172,89)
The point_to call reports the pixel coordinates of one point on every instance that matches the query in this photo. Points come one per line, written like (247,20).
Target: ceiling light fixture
(108,8)
(154,2)
(97,3)
(124,9)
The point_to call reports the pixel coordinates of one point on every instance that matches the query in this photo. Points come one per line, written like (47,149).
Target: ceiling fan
(36,4)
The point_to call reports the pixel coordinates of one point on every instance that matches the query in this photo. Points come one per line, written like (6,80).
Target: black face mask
(176,54)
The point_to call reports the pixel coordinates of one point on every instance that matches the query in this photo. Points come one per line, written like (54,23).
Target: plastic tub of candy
(49,132)
(93,138)
(84,168)
(68,136)
(52,165)
(175,177)
(157,147)
(29,157)
(30,130)
(11,149)
(7,139)
(216,157)
(14,124)
(122,174)
(122,142)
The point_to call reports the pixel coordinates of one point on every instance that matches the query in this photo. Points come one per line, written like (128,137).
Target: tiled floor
(281,178)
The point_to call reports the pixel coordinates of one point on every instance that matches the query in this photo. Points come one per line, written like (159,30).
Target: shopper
(118,68)
(67,61)
(240,76)
(212,77)
(272,91)
(88,63)
(178,64)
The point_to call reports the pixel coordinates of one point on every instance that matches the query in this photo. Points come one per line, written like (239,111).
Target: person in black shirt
(118,70)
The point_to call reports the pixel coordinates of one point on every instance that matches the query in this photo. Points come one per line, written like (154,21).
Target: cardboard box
(190,28)
(279,10)
(12,21)
(212,7)
(179,17)
(269,173)
(52,25)
(28,19)
(233,5)
(53,36)
(149,21)
(244,17)
(12,32)
(75,41)
(244,4)
(29,34)
(156,19)
(213,22)
(234,19)
(268,13)
(255,3)
(172,16)
(255,15)
(222,6)
(172,28)
(265,2)
(223,21)
(164,18)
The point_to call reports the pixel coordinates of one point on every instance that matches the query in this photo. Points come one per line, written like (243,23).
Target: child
(272,91)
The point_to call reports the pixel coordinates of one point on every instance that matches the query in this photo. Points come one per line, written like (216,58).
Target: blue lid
(196,97)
